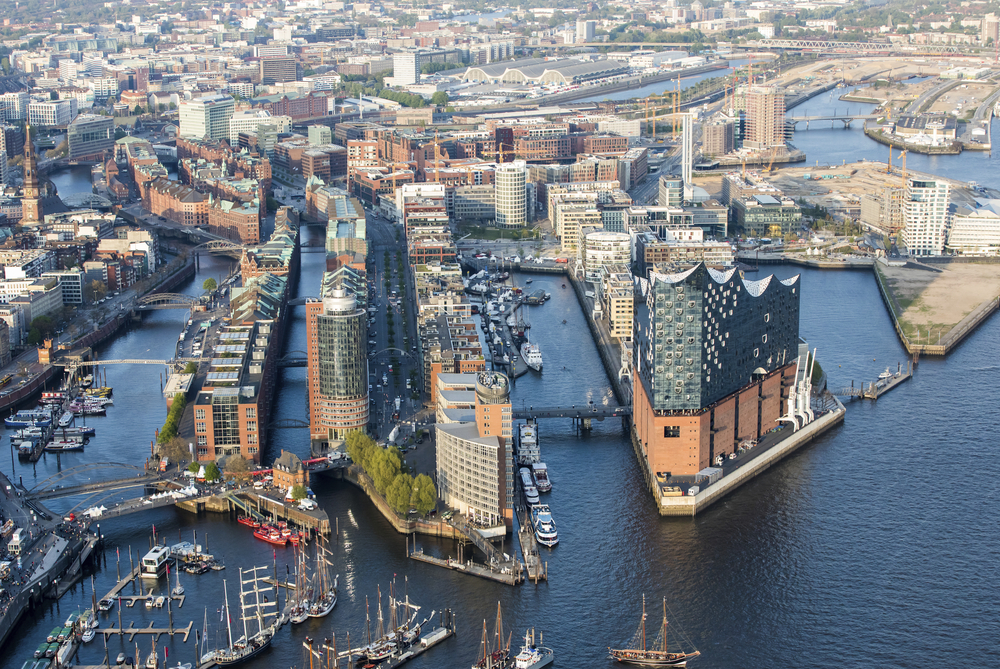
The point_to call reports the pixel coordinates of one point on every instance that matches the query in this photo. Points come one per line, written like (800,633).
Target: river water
(869,547)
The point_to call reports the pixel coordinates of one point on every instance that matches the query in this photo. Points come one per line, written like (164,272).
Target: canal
(869,546)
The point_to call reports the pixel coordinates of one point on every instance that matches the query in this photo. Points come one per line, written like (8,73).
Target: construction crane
(888,165)
(774,154)
(902,157)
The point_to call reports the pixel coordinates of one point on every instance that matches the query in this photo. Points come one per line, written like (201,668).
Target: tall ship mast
(499,657)
(324,590)
(403,632)
(657,654)
(259,616)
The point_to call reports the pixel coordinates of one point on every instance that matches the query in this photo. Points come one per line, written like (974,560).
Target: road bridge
(126,361)
(223,247)
(846,119)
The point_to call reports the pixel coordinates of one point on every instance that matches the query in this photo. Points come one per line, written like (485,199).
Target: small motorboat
(218,565)
(88,635)
(105,604)
(120,659)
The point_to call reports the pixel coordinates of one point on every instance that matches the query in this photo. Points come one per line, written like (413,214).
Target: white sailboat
(178,589)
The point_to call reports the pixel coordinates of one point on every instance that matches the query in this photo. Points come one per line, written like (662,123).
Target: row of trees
(384,467)
(169,430)
(405,99)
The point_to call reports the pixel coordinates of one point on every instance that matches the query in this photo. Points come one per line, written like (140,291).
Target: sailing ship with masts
(403,630)
(259,616)
(323,593)
(665,651)
(498,656)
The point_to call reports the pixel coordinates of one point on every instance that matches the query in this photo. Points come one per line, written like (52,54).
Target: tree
(399,492)
(299,492)
(194,467)
(385,466)
(190,368)
(210,284)
(44,325)
(360,448)
(171,106)
(95,290)
(161,107)
(138,110)
(212,472)
(440,99)
(176,449)
(237,467)
(424,496)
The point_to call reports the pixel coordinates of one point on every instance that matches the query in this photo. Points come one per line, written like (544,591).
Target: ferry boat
(530,492)
(154,563)
(665,651)
(545,527)
(532,356)
(30,418)
(532,656)
(527,445)
(540,473)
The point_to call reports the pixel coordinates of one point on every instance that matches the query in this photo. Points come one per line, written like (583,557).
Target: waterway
(832,144)
(661,87)
(869,547)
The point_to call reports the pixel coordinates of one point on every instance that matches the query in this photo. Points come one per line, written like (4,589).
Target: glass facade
(702,335)
(226,420)
(342,366)
(89,134)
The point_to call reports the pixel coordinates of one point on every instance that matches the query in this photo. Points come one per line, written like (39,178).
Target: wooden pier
(157,632)
(875,389)
(535,568)
(469,567)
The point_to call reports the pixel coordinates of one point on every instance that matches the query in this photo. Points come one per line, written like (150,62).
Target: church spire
(31,208)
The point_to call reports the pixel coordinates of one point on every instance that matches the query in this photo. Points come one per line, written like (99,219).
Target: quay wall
(690,506)
(611,366)
(951,339)
(359,479)
(28,390)
(949,150)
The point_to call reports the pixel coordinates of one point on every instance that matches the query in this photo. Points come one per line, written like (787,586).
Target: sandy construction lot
(937,301)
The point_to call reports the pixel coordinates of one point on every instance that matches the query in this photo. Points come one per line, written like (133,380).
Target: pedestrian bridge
(165,301)
(575,411)
(52,488)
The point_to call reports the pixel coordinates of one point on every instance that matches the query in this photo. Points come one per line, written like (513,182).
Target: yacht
(545,527)
(532,656)
(530,492)
(527,445)
(532,356)
(541,475)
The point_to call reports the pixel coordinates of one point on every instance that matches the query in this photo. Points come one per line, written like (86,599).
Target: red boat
(294,539)
(248,521)
(270,535)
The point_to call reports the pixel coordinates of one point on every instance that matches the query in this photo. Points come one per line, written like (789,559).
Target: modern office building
(511,198)
(249,120)
(90,136)
(207,116)
(278,69)
(14,106)
(713,358)
(57,113)
(406,68)
(337,364)
(765,121)
(975,229)
(925,209)
(585,30)
(320,135)
(474,459)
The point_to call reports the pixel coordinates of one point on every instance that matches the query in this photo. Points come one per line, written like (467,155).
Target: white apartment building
(103,87)
(511,197)
(406,68)
(14,106)
(71,281)
(68,69)
(243,89)
(52,114)
(247,121)
(601,249)
(975,230)
(925,210)
(207,116)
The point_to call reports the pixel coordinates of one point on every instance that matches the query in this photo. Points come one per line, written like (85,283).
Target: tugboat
(657,655)
(248,521)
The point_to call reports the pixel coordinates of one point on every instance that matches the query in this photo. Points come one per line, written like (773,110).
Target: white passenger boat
(545,527)
(530,492)
(532,656)
(541,475)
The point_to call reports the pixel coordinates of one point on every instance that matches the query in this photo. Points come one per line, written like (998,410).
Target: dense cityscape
(494,323)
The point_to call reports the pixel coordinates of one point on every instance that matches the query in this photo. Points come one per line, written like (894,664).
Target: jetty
(874,389)
(157,632)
